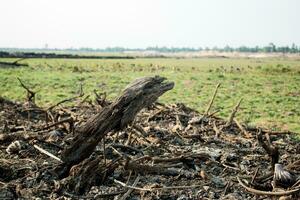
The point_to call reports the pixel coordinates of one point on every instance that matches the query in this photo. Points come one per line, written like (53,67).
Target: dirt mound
(169,152)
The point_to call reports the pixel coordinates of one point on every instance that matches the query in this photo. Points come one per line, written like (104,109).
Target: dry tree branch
(30,93)
(16,62)
(130,189)
(233,113)
(47,153)
(81,94)
(269,148)
(162,188)
(244,131)
(212,99)
(260,192)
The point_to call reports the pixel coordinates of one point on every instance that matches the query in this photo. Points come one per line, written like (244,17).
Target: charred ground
(168,152)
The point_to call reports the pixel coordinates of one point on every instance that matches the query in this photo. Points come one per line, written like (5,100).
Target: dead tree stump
(140,94)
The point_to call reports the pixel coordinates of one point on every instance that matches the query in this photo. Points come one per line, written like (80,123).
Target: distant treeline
(270,48)
(9,54)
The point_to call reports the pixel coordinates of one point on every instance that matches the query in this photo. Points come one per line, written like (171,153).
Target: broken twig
(260,192)
(212,99)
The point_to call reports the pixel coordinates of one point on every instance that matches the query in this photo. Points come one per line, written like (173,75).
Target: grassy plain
(270,88)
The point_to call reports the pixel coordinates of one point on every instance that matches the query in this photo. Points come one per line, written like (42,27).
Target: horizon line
(293,44)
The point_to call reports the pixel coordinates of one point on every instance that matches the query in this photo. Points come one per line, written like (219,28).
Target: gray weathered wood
(141,93)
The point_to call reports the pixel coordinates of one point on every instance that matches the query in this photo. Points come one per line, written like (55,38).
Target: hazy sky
(141,23)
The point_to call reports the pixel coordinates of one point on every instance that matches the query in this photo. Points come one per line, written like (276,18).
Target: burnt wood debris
(141,93)
(133,147)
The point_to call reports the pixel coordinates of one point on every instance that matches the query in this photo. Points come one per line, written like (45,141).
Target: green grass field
(269,87)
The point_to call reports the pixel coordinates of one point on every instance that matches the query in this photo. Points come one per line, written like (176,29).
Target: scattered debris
(140,150)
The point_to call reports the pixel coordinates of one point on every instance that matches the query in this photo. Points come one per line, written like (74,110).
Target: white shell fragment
(14,147)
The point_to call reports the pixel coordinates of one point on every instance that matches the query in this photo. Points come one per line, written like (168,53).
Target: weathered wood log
(140,94)
(86,174)
(13,64)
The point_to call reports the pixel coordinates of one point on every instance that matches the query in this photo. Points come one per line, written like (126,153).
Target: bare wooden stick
(297,183)
(131,189)
(212,99)
(97,196)
(217,131)
(47,153)
(69,119)
(230,167)
(101,100)
(244,131)
(16,62)
(30,93)
(260,192)
(226,188)
(13,64)
(66,100)
(254,176)
(232,115)
(162,188)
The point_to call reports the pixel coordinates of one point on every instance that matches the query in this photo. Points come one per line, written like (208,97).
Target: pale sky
(141,23)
